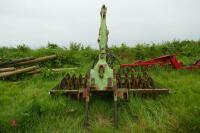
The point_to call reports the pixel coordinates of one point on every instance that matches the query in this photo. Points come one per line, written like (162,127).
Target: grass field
(27,101)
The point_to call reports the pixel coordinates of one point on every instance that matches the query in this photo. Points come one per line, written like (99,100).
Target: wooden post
(14,61)
(7,69)
(18,71)
(34,71)
(37,60)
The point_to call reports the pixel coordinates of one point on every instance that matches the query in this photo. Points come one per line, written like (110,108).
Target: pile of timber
(16,66)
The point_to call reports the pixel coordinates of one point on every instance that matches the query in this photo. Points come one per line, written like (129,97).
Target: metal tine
(73,81)
(80,81)
(63,83)
(69,83)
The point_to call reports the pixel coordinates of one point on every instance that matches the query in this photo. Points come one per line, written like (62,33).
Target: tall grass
(27,101)
(34,110)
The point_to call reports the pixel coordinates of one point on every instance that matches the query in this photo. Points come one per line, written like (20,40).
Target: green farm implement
(103,78)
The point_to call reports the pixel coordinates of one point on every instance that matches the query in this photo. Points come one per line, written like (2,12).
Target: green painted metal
(103,31)
(101,76)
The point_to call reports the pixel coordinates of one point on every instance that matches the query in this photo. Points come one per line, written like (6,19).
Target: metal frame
(162,61)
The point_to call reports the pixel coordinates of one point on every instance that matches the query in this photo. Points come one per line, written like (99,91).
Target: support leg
(115,111)
(86,111)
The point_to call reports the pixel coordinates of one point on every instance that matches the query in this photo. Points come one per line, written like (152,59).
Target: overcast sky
(35,22)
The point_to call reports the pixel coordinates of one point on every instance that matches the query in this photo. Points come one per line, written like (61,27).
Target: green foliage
(75,46)
(77,54)
(27,100)
(139,55)
(52,45)
(47,74)
(23,47)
